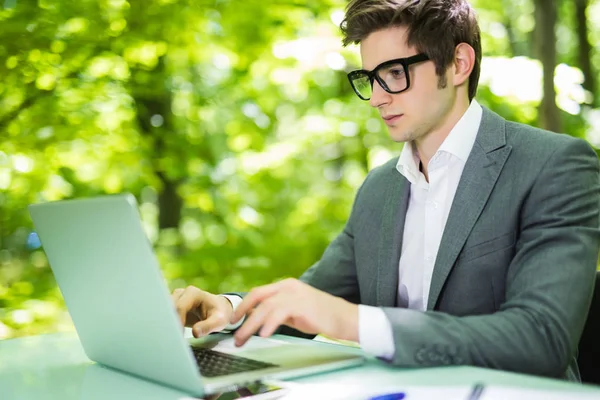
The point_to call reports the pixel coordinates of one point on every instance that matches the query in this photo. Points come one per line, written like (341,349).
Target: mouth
(391,119)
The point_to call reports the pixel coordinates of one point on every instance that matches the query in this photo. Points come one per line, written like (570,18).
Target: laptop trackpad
(226,344)
(254,343)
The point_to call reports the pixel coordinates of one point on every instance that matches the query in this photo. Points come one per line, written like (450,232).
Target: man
(478,245)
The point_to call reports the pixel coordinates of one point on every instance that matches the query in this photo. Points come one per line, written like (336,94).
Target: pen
(389,396)
(476,392)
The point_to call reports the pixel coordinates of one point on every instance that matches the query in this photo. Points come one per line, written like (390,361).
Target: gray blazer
(514,274)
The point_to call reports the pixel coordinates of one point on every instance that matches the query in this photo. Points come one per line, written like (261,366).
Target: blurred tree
(585,48)
(510,11)
(545,51)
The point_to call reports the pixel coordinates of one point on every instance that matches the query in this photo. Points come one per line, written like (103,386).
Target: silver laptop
(124,316)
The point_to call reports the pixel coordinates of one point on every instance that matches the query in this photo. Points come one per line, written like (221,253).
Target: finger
(175,298)
(215,322)
(256,296)
(274,320)
(189,300)
(176,294)
(253,323)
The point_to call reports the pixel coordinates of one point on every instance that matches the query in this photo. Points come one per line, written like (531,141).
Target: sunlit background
(231,121)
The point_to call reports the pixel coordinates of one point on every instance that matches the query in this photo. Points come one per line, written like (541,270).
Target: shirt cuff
(235,302)
(375,332)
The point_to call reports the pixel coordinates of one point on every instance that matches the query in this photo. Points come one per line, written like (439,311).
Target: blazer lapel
(476,183)
(390,241)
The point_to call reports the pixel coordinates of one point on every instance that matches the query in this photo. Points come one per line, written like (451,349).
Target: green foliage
(231,121)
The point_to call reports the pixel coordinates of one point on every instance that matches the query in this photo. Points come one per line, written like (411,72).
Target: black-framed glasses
(391,75)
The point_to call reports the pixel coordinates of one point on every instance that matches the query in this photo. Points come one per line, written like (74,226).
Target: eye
(397,73)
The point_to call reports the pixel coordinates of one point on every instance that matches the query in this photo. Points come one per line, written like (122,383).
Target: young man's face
(414,113)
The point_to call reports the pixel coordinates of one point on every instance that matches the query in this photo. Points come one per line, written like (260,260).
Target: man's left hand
(297,305)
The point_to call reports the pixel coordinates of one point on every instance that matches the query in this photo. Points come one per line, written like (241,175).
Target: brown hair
(435,27)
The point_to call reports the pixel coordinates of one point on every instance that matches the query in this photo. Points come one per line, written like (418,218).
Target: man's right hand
(202,311)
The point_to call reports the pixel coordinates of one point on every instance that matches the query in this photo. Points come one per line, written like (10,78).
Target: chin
(399,135)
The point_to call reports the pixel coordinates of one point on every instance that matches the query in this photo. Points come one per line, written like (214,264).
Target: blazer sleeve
(549,283)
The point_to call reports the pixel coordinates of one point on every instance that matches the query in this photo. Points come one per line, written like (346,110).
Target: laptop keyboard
(214,363)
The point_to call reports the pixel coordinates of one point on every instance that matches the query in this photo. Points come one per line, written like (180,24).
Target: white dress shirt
(428,208)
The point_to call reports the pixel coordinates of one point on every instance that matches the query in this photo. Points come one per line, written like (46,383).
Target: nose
(379,96)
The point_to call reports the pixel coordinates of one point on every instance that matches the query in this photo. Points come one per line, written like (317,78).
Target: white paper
(364,392)
(501,393)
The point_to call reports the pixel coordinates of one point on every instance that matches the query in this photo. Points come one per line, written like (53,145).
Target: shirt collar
(408,163)
(459,143)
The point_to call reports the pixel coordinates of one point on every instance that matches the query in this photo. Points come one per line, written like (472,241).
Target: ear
(464,61)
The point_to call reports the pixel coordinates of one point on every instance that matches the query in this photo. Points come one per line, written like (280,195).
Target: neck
(429,144)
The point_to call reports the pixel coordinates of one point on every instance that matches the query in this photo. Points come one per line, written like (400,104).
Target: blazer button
(421,356)
(433,357)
